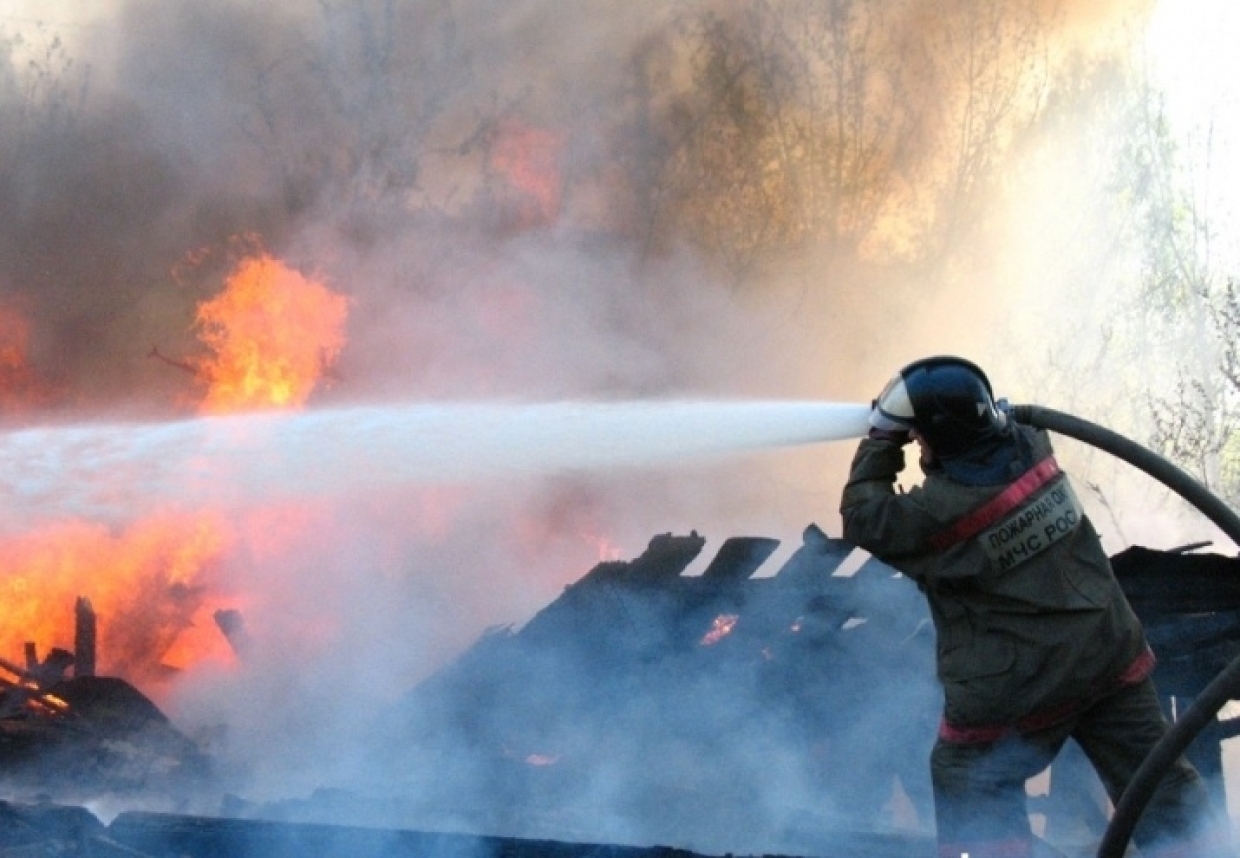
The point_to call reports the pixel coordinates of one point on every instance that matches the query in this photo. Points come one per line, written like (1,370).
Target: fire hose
(1223,687)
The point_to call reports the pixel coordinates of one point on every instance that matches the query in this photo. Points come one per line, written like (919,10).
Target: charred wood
(232,625)
(628,670)
(738,558)
(47,829)
(97,735)
(202,837)
(664,558)
(1159,583)
(84,638)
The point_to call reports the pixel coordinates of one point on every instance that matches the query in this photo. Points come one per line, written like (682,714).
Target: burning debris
(514,701)
(720,712)
(691,708)
(686,708)
(86,736)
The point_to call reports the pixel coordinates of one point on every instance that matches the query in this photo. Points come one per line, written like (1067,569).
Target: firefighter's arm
(886,524)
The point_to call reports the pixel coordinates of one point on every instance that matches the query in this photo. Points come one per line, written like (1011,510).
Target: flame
(55,702)
(720,628)
(155,584)
(19,388)
(147,584)
(273,332)
(606,550)
(14,336)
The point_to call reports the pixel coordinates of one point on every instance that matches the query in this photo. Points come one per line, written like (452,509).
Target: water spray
(112,470)
(1223,687)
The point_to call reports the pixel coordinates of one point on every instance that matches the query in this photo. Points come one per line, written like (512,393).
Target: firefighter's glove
(899,437)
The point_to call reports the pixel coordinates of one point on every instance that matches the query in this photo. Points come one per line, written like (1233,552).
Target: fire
(720,628)
(147,584)
(19,388)
(274,333)
(154,584)
(606,550)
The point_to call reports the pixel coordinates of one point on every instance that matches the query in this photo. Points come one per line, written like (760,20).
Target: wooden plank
(175,836)
(84,638)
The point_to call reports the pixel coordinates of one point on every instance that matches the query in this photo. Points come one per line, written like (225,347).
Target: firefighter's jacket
(1031,623)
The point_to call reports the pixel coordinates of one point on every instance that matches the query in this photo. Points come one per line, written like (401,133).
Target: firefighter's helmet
(947,400)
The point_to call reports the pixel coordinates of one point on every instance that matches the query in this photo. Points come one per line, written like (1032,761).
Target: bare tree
(1185,311)
(41,93)
(836,124)
(987,67)
(790,132)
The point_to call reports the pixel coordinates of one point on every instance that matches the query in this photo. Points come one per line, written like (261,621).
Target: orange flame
(154,584)
(274,333)
(147,584)
(720,628)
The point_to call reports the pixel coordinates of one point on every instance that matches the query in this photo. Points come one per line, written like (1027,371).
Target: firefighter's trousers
(979,788)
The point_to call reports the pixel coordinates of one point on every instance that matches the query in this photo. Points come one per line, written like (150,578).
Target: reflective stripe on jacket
(1028,614)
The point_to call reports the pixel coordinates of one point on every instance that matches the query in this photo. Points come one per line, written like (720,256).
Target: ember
(720,627)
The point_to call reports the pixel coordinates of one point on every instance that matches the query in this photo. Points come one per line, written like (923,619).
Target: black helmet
(946,400)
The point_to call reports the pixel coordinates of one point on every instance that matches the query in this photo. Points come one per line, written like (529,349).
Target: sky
(1201,77)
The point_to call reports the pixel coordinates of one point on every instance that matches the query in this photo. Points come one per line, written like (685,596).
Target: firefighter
(1036,642)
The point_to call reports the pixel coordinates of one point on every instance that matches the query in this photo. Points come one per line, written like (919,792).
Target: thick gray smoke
(480,180)
(361,143)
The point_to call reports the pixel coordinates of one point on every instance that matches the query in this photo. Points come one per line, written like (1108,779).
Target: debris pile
(84,736)
(724,712)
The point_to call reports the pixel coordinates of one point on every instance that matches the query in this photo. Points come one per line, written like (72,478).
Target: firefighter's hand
(895,436)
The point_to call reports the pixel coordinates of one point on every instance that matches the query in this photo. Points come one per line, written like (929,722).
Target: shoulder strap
(980,518)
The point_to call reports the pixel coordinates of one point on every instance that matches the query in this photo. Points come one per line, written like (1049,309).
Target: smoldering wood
(622,674)
(1189,604)
(50,829)
(738,559)
(508,737)
(636,629)
(44,674)
(94,735)
(53,667)
(231,624)
(17,670)
(16,700)
(85,633)
(199,837)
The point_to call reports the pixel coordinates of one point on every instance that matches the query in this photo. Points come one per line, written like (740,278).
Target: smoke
(467,176)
